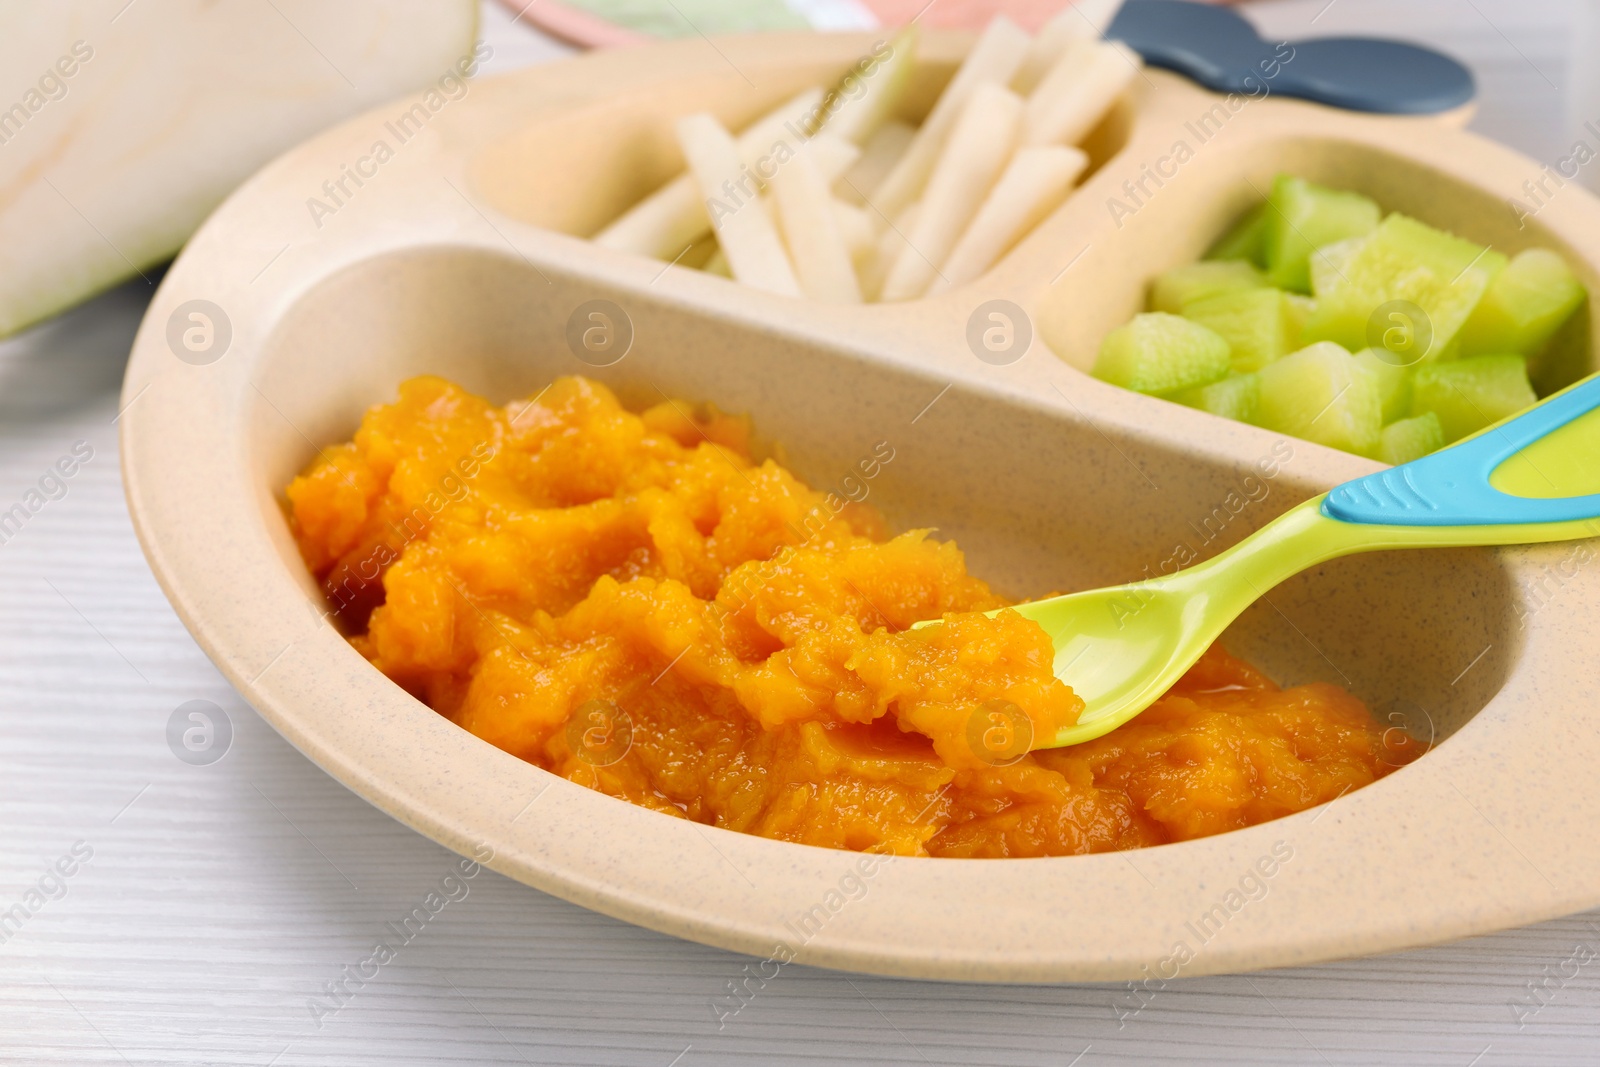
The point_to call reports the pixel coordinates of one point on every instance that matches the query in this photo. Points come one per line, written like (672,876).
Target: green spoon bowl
(1532,478)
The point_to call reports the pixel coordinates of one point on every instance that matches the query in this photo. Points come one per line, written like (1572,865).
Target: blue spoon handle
(1451,487)
(1221,50)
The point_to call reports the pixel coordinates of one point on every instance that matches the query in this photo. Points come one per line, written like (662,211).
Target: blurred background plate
(606,23)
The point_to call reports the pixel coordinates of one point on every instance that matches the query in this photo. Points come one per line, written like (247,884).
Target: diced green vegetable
(1302,217)
(1469,394)
(1243,241)
(1409,439)
(1525,304)
(1300,309)
(1323,394)
(1160,353)
(1327,263)
(1236,397)
(1443,329)
(1394,382)
(1413,268)
(1197,281)
(1258,324)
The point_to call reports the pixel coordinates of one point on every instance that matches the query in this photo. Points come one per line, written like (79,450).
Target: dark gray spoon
(1219,49)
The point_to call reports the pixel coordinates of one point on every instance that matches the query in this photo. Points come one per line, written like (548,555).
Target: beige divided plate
(459,253)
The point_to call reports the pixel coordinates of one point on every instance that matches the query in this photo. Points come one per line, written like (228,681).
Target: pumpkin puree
(631,602)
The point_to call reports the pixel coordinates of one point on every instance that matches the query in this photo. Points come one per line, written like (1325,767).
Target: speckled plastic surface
(459,254)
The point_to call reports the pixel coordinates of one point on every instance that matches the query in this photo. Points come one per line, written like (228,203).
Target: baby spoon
(1221,50)
(1532,478)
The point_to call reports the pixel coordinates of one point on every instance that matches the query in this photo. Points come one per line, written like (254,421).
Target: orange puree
(632,602)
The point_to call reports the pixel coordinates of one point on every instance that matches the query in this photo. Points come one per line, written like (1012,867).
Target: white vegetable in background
(855,226)
(1036,180)
(891,246)
(673,217)
(831,156)
(1065,72)
(1097,14)
(745,231)
(1076,94)
(984,168)
(123,125)
(827,155)
(878,157)
(857,117)
(977,149)
(1049,45)
(822,260)
(994,59)
(718,264)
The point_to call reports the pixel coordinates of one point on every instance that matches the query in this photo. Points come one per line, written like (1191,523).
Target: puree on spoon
(633,603)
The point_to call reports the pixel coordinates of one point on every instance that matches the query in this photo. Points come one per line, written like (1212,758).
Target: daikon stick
(821,258)
(891,246)
(744,229)
(993,60)
(1078,92)
(1097,14)
(870,91)
(832,156)
(878,157)
(674,216)
(718,264)
(855,226)
(1033,184)
(978,147)
(1049,45)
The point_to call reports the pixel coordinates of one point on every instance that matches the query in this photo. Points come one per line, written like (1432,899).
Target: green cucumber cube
(1409,439)
(1323,394)
(1180,286)
(1243,241)
(1302,217)
(1258,324)
(1405,267)
(1236,397)
(1159,353)
(1525,304)
(1300,309)
(1394,382)
(1469,394)
(1327,263)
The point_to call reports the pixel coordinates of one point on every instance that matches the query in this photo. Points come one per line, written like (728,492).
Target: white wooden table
(220,901)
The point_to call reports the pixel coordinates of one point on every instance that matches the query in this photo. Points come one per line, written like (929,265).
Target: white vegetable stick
(1058,81)
(977,149)
(821,258)
(832,156)
(1049,45)
(1064,108)
(1097,14)
(878,157)
(744,229)
(876,92)
(1032,185)
(855,226)
(673,217)
(993,60)
(891,245)
(718,264)
(828,154)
